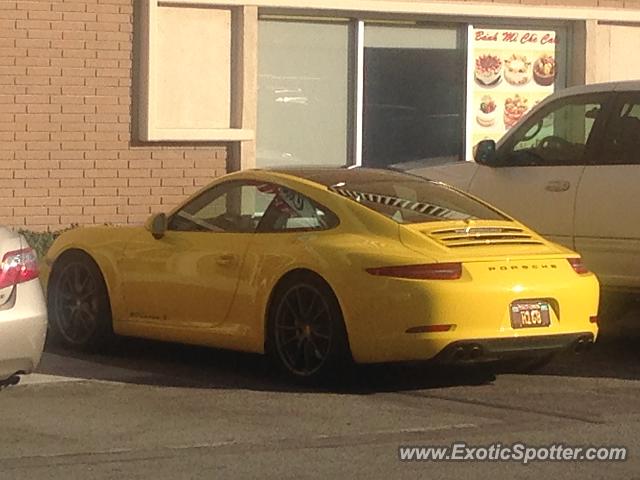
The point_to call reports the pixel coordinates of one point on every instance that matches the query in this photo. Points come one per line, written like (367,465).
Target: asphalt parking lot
(164,411)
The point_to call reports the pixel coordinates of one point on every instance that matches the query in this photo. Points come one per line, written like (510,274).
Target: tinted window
(229,207)
(556,135)
(246,207)
(408,200)
(621,143)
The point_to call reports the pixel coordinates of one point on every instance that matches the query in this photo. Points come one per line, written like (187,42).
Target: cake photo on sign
(544,70)
(487,112)
(488,69)
(514,109)
(517,70)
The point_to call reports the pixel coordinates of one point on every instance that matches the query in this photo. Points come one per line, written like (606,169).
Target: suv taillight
(18,266)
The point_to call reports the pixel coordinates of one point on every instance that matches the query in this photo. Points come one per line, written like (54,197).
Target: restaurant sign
(510,71)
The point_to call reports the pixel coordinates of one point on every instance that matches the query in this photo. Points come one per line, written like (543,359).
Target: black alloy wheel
(79,304)
(306,329)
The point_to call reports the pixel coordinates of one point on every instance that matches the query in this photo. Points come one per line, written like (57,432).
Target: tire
(78,304)
(306,335)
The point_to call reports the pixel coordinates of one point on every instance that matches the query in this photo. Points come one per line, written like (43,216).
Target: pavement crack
(502,407)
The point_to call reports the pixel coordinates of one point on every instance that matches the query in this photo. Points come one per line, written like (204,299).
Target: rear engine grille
(482,236)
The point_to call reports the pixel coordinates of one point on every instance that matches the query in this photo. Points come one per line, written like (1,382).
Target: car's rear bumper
(23,329)
(398,320)
(495,349)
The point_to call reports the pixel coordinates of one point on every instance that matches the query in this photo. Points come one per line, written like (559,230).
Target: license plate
(530,313)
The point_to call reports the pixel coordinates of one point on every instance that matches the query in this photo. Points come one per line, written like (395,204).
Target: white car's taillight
(18,266)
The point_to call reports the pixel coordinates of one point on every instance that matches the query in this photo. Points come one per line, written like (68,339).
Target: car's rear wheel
(79,308)
(307,338)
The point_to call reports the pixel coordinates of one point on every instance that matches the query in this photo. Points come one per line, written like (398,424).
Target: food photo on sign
(510,72)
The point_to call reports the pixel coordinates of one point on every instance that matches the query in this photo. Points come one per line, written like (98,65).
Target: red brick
(33,192)
(33,5)
(67,220)
(138,219)
(32,136)
(13,220)
(42,183)
(68,191)
(43,146)
(144,182)
(51,201)
(15,201)
(110,182)
(66,210)
(65,119)
(181,182)
(100,191)
(10,183)
(79,200)
(134,209)
(144,200)
(115,219)
(111,200)
(100,210)
(77,182)
(66,173)
(32,154)
(137,191)
(101,173)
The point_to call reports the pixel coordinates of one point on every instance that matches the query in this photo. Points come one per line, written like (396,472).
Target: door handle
(558,186)
(226,259)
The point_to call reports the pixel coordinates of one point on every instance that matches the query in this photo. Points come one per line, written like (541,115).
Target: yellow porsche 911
(316,267)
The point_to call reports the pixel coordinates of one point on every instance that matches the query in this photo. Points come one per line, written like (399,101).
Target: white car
(571,171)
(23,310)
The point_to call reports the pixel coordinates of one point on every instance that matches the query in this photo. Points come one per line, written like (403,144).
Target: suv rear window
(406,200)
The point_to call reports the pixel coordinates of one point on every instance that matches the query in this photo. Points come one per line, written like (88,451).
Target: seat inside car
(623,145)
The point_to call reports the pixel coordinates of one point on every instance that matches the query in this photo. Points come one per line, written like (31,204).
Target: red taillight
(578,265)
(18,266)
(431,328)
(429,271)
(593,319)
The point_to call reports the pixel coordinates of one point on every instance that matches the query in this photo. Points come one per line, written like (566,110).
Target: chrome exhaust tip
(476,352)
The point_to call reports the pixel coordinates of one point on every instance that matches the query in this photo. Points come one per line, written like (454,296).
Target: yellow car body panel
(173,288)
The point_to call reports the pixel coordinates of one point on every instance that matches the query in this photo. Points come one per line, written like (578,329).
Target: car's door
(188,278)
(541,163)
(607,219)
(280,244)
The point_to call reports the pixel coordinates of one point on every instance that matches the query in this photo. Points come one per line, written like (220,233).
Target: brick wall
(66,150)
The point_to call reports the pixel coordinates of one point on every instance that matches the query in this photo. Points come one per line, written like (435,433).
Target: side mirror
(156,224)
(485,153)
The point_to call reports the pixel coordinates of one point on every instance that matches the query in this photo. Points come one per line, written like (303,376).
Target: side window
(621,142)
(556,135)
(292,211)
(234,206)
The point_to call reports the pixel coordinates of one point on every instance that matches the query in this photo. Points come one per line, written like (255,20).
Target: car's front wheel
(307,338)
(79,307)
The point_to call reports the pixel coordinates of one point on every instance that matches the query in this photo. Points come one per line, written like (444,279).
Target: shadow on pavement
(144,362)
(616,354)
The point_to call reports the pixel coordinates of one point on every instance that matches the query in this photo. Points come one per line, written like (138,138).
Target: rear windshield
(409,200)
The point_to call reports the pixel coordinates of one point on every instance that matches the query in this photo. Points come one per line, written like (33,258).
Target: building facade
(113,109)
